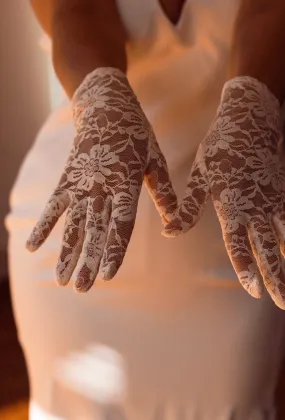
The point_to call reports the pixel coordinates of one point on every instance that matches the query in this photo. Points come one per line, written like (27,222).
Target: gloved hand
(239,164)
(115,150)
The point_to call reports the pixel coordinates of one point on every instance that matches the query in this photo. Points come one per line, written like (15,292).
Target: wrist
(101,90)
(272,79)
(88,88)
(252,87)
(71,69)
(245,98)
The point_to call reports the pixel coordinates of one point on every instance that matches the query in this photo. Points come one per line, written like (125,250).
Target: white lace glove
(239,165)
(115,150)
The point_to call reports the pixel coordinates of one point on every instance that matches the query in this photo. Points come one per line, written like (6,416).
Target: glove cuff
(92,79)
(94,91)
(252,95)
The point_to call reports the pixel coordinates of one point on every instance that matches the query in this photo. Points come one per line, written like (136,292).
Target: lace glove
(239,165)
(115,150)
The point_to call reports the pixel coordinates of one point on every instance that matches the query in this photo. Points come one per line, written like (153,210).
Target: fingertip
(31,246)
(84,281)
(281,305)
(170,233)
(80,291)
(174,228)
(277,295)
(62,280)
(254,286)
(110,272)
(279,301)
(255,293)
(107,277)
(83,284)
(257,287)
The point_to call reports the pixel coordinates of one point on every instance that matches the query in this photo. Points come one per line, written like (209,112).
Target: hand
(239,165)
(115,150)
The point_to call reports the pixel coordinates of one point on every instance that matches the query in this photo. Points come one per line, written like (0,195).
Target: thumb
(193,203)
(158,183)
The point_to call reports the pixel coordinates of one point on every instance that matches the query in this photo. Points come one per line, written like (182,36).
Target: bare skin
(82,41)
(81,38)
(258,44)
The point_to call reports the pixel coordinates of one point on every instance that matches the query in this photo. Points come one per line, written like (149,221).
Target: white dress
(173,336)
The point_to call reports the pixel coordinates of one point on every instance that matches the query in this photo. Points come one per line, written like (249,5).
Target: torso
(173,9)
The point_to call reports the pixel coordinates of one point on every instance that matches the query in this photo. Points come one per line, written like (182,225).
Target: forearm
(258,47)
(86,34)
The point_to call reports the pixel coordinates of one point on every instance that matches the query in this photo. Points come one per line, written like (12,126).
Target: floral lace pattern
(114,152)
(239,164)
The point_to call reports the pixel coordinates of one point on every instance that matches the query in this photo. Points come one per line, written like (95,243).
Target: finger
(159,184)
(279,226)
(55,207)
(239,250)
(192,206)
(96,230)
(73,237)
(120,230)
(270,262)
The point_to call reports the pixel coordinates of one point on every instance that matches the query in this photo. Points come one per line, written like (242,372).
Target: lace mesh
(114,151)
(239,164)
